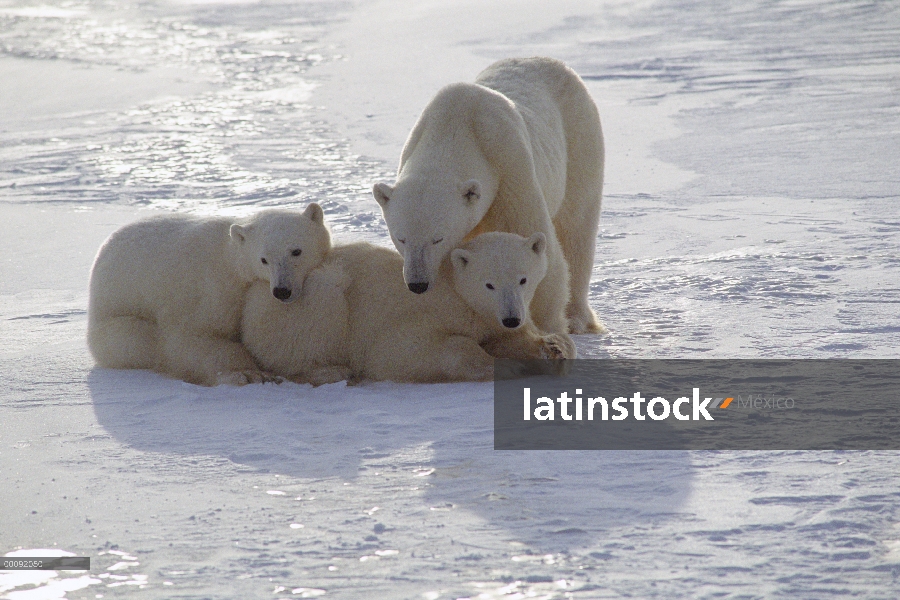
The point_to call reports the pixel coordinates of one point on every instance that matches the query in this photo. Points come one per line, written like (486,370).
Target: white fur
(167,293)
(520,150)
(357,318)
(497,274)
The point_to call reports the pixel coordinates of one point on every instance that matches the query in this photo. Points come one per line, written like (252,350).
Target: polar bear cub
(357,319)
(167,293)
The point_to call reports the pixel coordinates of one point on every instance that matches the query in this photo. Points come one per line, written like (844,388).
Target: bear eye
(522,282)
(264,261)
(489,286)
(402,241)
(296,252)
(436,242)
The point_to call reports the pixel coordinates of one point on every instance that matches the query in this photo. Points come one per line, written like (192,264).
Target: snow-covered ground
(751,210)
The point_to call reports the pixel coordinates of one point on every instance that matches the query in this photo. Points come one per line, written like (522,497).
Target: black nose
(282,293)
(418,287)
(511,322)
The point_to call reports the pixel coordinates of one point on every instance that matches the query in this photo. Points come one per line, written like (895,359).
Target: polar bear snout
(512,307)
(282,293)
(417,272)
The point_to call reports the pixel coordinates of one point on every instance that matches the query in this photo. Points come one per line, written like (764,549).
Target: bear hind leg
(463,359)
(207,360)
(431,359)
(125,342)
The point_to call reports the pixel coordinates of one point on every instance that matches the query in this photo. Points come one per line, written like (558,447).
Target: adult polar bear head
(428,214)
(467,139)
(497,273)
(282,247)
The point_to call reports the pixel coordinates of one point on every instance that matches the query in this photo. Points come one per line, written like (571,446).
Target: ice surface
(751,210)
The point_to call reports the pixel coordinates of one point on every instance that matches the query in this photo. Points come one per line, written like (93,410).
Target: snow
(750,211)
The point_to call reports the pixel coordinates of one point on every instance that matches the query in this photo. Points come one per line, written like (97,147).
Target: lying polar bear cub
(167,293)
(357,320)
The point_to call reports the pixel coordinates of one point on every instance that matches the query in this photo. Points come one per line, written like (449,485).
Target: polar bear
(520,150)
(305,341)
(357,319)
(166,293)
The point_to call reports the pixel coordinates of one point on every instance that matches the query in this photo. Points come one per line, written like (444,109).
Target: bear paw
(317,376)
(557,347)
(331,374)
(585,321)
(246,377)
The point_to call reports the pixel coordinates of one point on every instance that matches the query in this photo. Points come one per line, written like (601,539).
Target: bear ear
(471,191)
(315,213)
(537,243)
(382,193)
(238,233)
(460,259)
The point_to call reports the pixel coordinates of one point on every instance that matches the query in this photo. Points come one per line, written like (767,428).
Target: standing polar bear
(357,319)
(520,150)
(167,293)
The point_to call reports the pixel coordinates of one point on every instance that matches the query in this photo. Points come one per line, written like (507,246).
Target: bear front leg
(548,307)
(530,353)
(527,343)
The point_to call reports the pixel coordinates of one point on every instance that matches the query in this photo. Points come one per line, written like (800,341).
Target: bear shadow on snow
(550,499)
